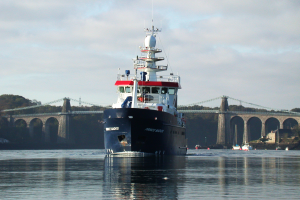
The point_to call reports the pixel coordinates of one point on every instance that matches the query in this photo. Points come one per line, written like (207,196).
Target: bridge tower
(223,134)
(64,136)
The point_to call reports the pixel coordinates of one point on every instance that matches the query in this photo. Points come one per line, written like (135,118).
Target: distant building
(272,136)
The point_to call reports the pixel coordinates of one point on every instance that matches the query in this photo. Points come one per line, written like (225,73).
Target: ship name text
(112,129)
(154,130)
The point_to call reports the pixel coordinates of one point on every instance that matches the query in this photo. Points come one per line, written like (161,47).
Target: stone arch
(20,123)
(20,131)
(271,124)
(36,130)
(51,130)
(290,123)
(236,127)
(254,125)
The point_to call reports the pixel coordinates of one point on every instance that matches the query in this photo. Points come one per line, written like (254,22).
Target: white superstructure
(144,89)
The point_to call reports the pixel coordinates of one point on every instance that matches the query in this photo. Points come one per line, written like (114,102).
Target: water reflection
(249,171)
(161,177)
(146,177)
(50,178)
(248,176)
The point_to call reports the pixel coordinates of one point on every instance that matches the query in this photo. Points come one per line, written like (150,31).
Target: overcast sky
(248,50)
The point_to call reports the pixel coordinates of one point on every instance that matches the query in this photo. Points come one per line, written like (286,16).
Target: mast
(147,63)
(134,92)
(235,134)
(277,135)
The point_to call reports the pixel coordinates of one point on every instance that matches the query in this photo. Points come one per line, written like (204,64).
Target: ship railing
(157,98)
(169,78)
(147,98)
(150,49)
(151,98)
(124,77)
(162,78)
(152,59)
(158,67)
(162,67)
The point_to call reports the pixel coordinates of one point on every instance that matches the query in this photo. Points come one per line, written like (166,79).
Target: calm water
(202,174)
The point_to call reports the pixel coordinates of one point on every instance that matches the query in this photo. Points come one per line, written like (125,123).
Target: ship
(145,120)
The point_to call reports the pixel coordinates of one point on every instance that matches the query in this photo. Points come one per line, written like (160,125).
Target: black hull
(143,130)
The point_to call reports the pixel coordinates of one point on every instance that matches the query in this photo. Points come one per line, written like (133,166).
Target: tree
(9,101)
(264,139)
(295,110)
(296,130)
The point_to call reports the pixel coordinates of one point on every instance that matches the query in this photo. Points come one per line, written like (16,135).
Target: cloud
(245,49)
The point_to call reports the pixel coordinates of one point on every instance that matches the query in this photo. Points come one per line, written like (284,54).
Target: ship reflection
(143,177)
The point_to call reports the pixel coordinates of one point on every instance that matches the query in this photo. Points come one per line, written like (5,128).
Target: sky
(248,50)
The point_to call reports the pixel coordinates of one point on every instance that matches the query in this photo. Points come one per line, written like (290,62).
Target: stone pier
(64,136)
(223,135)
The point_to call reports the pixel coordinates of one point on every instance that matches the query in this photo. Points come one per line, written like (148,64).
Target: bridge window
(128,89)
(164,90)
(146,89)
(155,90)
(121,89)
(171,90)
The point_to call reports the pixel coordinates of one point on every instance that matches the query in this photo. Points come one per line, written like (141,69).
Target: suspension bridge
(242,108)
(226,116)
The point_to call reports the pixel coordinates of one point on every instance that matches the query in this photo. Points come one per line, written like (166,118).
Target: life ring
(145,98)
(141,99)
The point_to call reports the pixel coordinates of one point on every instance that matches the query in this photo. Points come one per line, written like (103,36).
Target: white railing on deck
(163,78)
(157,98)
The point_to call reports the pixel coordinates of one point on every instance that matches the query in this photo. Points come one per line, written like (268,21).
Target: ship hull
(131,130)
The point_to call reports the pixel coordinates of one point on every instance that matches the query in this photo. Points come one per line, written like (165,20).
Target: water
(202,174)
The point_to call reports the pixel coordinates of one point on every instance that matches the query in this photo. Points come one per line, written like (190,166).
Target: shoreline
(49,146)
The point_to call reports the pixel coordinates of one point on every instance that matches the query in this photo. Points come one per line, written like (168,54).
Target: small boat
(278,148)
(197,146)
(246,147)
(236,147)
(286,148)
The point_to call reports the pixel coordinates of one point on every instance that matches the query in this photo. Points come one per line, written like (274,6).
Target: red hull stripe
(149,83)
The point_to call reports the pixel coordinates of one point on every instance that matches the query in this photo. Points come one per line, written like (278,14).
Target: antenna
(152,12)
